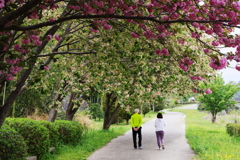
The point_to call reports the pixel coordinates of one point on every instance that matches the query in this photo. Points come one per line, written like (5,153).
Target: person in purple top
(160,125)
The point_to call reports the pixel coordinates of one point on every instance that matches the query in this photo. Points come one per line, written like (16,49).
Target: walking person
(136,122)
(160,125)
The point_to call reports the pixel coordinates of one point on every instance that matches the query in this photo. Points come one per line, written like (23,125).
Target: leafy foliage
(220,98)
(70,132)
(96,111)
(12,144)
(233,129)
(145,108)
(35,136)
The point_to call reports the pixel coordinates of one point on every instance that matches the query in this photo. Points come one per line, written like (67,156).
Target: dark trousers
(134,134)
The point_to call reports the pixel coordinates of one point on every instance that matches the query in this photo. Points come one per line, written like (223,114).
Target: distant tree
(96,111)
(145,108)
(220,98)
(160,105)
(124,114)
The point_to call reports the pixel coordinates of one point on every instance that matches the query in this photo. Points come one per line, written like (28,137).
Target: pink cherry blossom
(25,41)
(2,4)
(37,42)
(158,52)
(134,35)
(165,51)
(214,43)
(33,15)
(194,90)
(217,65)
(93,30)
(57,37)
(46,67)
(49,37)
(238,68)
(206,50)
(9,77)
(208,91)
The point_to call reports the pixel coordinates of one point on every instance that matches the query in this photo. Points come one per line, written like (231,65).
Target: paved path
(176,146)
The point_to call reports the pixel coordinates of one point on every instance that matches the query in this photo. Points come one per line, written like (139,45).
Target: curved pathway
(176,146)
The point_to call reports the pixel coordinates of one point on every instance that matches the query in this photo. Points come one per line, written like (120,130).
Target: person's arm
(131,121)
(140,121)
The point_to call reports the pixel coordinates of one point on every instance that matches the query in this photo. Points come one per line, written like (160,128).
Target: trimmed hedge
(36,136)
(53,132)
(233,129)
(12,145)
(23,137)
(70,132)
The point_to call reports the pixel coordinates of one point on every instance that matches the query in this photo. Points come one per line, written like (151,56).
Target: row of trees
(123,51)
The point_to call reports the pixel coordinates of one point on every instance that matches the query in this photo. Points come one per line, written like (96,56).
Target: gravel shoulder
(176,146)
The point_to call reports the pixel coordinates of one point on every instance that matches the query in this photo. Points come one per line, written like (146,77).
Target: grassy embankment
(93,140)
(210,141)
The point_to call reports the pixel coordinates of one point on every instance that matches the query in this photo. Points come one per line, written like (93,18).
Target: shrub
(70,132)
(53,132)
(233,129)
(12,144)
(36,136)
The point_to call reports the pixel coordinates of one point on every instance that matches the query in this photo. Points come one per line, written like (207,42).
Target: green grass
(210,141)
(93,140)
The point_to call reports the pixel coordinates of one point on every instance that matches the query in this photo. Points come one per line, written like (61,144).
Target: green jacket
(136,120)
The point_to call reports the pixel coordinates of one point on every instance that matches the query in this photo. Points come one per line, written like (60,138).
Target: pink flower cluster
(2,4)
(196,78)
(207,91)
(238,68)
(217,65)
(12,61)
(184,64)
(163,51)
(15,69)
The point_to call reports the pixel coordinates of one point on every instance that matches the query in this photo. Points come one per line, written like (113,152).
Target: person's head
(159,115)
(136,110)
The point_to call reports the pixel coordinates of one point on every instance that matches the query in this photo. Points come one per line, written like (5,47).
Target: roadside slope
(176,146)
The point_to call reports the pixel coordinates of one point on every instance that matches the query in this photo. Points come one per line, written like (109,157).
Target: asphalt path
(176,146)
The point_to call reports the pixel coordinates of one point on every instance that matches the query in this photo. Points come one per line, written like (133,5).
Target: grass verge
(209,141)
(94,139)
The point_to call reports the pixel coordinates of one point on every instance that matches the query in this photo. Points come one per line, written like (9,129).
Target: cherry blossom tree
(28,26)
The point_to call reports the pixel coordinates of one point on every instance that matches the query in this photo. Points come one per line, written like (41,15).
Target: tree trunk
(4,109)
(214,118)
(52,115)
(70,112)
(127,121)
(108,118)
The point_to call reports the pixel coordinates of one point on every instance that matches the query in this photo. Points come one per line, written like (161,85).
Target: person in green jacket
(136,122)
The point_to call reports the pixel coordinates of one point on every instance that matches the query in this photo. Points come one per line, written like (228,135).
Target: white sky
(230,73)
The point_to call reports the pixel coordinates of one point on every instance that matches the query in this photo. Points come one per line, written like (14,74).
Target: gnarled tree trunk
(108,117)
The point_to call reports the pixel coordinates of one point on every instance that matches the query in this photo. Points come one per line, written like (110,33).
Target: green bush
(70,132)
(53,132)
(12,145)
(36,136)
(233,129)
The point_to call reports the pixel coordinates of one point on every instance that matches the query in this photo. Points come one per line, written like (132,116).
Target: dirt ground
(176,146)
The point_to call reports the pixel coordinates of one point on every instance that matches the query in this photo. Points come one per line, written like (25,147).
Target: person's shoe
(163,147)
(140,147)
(135,147)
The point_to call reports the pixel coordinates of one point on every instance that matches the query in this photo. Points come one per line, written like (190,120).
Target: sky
(230,73)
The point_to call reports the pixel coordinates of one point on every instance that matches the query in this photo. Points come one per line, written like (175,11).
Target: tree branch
(50,23)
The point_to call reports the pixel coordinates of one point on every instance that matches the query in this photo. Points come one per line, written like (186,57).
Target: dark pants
(134,134)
